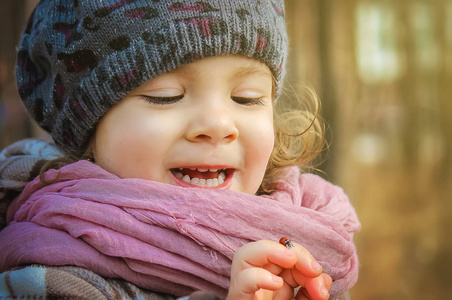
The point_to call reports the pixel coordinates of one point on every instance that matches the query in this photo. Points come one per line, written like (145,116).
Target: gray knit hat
(77,58)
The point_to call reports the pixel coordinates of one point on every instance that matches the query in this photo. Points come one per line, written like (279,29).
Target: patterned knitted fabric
(46,282)
(78,58)
(20,163)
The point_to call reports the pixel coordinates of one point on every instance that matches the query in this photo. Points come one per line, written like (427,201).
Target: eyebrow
(251,71)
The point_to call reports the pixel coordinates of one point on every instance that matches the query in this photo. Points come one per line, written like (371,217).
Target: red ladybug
(286,242)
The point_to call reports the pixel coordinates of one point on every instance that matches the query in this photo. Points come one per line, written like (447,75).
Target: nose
(212,123)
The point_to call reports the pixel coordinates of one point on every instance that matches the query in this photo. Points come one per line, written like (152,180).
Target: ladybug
(286,242)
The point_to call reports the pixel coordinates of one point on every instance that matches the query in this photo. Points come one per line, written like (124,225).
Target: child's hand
(268,270)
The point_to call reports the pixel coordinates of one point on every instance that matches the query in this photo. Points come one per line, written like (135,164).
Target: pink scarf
(171,239)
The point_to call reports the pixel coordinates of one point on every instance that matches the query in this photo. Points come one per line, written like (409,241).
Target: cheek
(259,146)
(125,145)
(264,136)
(262,145)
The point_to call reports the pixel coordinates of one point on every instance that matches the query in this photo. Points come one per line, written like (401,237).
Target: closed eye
(249,101)
(162,100)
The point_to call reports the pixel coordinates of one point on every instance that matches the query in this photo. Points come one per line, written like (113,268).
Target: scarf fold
(172,239)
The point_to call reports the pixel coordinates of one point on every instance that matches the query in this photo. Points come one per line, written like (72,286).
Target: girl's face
(208,124)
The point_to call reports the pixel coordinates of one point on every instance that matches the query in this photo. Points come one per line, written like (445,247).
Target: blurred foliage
(383,70)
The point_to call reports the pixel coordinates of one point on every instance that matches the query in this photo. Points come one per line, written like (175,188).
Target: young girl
(176,175)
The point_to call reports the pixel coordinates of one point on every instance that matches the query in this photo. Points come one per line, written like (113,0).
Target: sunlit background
(383,71)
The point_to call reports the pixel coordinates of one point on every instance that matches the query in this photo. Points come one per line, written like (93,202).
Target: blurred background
(383,71)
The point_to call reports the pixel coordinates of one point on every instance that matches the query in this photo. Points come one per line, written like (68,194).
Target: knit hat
(77,58)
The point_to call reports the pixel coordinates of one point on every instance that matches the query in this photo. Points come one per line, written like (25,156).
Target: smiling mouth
(204,178)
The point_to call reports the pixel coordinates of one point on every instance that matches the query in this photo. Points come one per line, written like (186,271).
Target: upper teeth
(202,170)
(203,182)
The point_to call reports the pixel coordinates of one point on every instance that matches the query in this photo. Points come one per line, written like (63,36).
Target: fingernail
(324,292)
(276,278)
(315,265)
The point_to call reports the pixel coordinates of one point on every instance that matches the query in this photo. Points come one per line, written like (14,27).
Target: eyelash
(169,100)
(162,100)
(249,101)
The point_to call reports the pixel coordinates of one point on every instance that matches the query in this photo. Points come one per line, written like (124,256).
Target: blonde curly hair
(299,136)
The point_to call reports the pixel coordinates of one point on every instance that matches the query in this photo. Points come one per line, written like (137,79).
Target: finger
(250,280)
(317,288)
(263,253)
(285,292)
(328,280)
(272,268)
(288,278)
(306,263)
